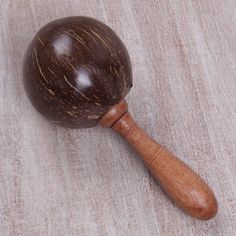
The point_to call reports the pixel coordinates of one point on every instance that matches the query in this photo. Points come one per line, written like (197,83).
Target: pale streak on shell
(96,97)
(51,92)
(117,73)
(101,39)
(78,39)
(71,113)
(86,32)
(75,89)
(69,63)
(111,69)
(41,42)
(93,117)
(39,67)
(50,70)
(56,121)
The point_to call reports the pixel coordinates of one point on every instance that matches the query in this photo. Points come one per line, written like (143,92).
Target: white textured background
(55,181)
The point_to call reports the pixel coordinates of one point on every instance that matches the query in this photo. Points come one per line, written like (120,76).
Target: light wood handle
(187,189)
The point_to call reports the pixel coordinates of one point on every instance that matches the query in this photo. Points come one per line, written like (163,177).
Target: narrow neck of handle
(114,114)
(129,129)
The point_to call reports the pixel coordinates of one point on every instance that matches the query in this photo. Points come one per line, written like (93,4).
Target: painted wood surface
(56,181)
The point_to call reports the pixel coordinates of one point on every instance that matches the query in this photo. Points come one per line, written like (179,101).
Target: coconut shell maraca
(75,70)
(77,73)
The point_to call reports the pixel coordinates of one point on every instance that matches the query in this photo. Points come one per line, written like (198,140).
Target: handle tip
(206,207)
(188,190)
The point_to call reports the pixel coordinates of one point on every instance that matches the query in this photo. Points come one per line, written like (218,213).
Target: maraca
(77,73)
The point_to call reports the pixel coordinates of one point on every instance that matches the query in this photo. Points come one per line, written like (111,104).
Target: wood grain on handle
(187,189)
(181,183)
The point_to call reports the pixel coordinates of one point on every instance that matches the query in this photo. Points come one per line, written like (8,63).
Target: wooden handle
(187,189)
(178,180)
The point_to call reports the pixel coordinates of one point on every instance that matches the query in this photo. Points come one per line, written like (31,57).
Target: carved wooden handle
(187,189)
(178,180)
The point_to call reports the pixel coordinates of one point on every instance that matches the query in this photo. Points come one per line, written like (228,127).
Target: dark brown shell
(75,70)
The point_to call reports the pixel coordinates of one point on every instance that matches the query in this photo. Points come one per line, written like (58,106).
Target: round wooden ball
(75,70)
